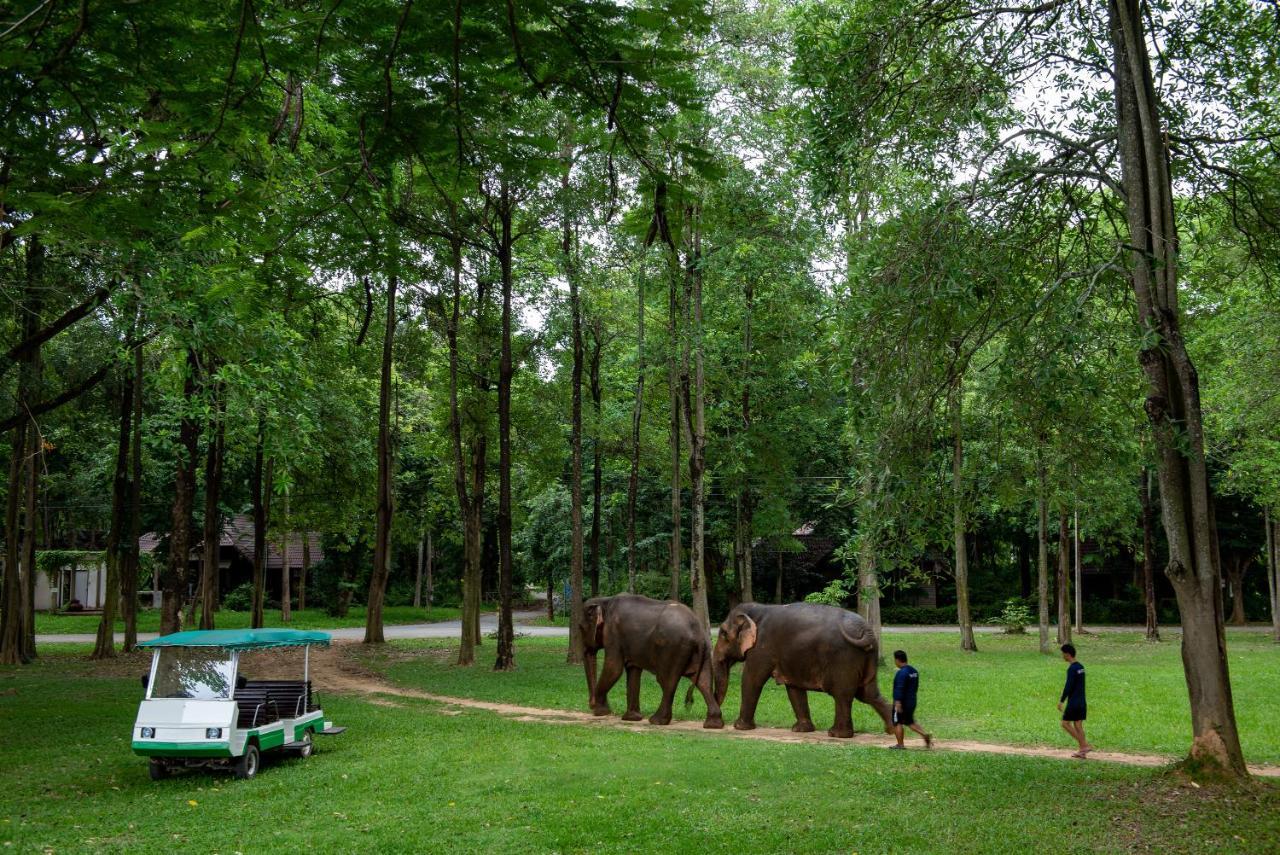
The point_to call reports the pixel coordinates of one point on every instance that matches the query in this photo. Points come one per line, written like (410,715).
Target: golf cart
(199,712)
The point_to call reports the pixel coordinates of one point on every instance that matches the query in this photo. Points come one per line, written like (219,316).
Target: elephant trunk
(589,664)
(720,666)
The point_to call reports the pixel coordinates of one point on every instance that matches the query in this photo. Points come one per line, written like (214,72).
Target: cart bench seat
(264,701)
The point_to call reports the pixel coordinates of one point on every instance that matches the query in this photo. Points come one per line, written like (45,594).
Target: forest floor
(413,774)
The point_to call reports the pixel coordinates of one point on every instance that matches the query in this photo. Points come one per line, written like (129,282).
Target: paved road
(489,623)
(441,629)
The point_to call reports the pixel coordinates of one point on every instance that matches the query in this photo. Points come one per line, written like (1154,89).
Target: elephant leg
(633,694)
(612,671)
(669,683)
(753,680)
(843,728)
(800,705)
(870,695)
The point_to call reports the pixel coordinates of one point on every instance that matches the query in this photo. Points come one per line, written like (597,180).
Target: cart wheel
(159,770)
(247,765)
(308,746)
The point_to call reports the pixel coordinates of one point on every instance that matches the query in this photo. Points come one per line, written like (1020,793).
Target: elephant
(806,647)
(640,634)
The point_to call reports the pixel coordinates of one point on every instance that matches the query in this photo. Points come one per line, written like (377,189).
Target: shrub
(239,599)
(1014,617)
(917,615)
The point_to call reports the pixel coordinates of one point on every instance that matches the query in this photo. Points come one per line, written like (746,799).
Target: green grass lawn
(410,776)
(1007,692)
(149,619)
(558,620)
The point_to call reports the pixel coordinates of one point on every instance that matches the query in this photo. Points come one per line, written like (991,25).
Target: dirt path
(337,672)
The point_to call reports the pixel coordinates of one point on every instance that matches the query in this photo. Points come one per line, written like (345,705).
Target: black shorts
(905,717)
(1074,713)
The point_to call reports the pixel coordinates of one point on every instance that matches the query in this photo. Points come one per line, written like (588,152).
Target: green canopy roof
(240,639)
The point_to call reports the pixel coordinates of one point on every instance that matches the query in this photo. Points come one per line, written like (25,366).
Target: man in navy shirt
(906,682)
(1073,696)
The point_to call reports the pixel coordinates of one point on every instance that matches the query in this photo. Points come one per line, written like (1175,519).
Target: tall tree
(373,633)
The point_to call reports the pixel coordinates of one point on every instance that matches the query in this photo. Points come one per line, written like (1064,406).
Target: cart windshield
(193,672)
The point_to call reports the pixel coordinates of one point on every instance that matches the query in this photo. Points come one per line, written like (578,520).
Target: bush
(1014,617)
(917,615)
(239,599)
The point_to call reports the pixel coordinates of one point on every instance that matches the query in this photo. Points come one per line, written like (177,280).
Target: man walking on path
(1073,696)
(906,682)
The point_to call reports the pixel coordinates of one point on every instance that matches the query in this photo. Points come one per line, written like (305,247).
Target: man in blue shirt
(1073,696)
(906,682)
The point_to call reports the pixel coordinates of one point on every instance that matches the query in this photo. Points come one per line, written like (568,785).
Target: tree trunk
(286,569)
(1075,541)
(506,634)
(1064,580)
(869,590)
(117,543)
(470,499)
(129,584)
(430,567)
(633,479)
(11,617)
(1235,577)
(212,516)
(1149,557)
(777,594)
(960,521)
(574,654)
(695,419)
(1273,571)
(306,568)
(417,579)
(1173,394)
(1042,557)
(14,619)
(673,344)
(35,460)
(173,582)
(260,486)
(597,473)
(746,517)
(386,464)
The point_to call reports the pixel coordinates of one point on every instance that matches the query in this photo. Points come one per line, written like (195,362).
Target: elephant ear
(746,632)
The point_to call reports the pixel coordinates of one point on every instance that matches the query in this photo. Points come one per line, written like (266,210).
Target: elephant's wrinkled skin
(806,647)
(640,634)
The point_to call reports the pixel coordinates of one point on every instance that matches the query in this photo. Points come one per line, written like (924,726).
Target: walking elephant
(806,647)
(639,634)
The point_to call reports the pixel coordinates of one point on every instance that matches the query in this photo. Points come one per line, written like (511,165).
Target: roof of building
(237,534)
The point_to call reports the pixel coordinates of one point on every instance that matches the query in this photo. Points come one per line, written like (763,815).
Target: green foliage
(239,599)
(835,594)
(1014,617)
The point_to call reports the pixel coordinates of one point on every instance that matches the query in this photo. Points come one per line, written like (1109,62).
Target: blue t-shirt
(905,684)
(1073,691)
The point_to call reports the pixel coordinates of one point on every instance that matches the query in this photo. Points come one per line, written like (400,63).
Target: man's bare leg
(927,737)
(1085,747)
